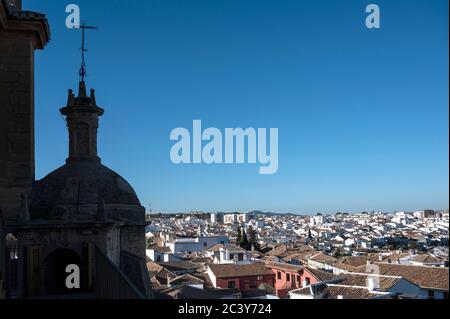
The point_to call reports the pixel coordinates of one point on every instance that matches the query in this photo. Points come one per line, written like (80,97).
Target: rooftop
(333,291)
(232,270)
(425,277)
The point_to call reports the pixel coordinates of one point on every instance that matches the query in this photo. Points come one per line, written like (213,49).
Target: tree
(244,242)
(239,236)
(253,240)
(412,245)
(149,242)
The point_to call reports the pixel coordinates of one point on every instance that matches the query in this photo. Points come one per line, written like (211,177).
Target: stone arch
(55,274)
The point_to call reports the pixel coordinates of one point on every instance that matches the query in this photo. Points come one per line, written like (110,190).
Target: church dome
(82,183)
(83,188)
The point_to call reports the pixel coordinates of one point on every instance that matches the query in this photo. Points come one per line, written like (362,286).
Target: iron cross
(83,49)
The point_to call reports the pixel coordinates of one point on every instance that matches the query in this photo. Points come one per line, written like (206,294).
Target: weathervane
(83,49)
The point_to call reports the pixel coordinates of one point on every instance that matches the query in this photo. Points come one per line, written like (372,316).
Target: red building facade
(246,283)
(289,277)
(245,278)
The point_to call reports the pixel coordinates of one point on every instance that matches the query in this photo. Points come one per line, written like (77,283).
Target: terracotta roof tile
(423,276)
(331,291)
(233,270)
(361,280)
(284,266)
(180,265)
(186,280)
(321,275)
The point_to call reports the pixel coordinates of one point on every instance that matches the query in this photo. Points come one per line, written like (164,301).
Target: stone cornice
(25,22)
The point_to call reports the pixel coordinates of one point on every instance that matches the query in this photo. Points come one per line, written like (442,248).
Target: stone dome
(84,189)
(82,183)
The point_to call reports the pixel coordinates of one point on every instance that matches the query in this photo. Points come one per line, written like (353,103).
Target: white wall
(408,289)
(212,277)
(298,296)
(196,244)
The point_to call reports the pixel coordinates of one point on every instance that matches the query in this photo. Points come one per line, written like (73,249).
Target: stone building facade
(83,213)
(21,33)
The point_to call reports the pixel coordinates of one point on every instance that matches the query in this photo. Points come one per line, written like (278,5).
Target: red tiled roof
(284,266)
(321,275)
(423,276)
(236,270)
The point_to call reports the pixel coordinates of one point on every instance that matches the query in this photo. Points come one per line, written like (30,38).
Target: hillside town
(256,255)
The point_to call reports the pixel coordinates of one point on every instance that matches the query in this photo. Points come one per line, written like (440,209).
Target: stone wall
(16,120)
(2,257)
(48,240)
(133,240)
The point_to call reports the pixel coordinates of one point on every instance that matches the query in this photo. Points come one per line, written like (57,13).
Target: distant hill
(258,212)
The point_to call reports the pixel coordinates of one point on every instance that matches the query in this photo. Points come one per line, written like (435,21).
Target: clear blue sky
(362,114)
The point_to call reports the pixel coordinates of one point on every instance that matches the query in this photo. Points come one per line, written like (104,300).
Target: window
(253,284)
(288,277)
(231,256)
(158,258)
(430,294)
(231,284)
(279,275)
(205,244)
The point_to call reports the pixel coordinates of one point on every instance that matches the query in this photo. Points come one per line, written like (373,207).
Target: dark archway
(55,271)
